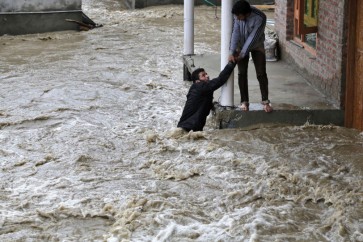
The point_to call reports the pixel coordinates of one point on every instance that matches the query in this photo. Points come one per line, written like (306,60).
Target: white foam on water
(89,149)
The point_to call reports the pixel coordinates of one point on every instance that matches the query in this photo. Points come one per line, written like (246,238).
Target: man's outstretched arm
(216,83)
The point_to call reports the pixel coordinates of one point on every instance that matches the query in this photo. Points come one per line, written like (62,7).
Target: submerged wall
(39,5)
(38,16)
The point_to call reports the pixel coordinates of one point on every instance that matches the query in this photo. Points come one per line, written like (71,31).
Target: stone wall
(325,70)
(39,5)
(38,16)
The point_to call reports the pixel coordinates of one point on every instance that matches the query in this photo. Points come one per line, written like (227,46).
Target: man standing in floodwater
(200,97)
(248,35)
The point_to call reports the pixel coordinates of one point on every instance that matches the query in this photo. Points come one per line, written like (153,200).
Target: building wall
(39,5)
(326,69)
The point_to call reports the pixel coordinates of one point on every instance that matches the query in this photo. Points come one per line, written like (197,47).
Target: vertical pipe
(227,92)
(188,27)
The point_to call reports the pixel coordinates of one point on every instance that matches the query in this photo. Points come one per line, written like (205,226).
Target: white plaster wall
(39,5)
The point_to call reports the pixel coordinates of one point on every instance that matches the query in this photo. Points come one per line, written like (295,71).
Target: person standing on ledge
(200,97)
(248,36)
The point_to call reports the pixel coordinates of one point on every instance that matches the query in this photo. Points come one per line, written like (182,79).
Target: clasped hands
(234,58)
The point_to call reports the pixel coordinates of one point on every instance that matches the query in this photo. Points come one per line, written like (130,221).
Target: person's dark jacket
(200,100)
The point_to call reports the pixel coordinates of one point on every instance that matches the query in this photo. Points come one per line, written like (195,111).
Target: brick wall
(325,70)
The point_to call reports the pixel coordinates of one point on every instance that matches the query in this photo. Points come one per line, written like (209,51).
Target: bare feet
(245,106)
(267,106)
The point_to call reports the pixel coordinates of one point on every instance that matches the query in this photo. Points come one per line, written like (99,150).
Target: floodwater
(89,150)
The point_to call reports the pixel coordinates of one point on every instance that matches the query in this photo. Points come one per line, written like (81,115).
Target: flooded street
(89,148)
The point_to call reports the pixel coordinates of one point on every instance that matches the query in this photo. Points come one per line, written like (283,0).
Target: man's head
(199,75)
(241,9)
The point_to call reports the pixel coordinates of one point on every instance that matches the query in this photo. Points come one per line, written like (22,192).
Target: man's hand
(238,58)
(232,58)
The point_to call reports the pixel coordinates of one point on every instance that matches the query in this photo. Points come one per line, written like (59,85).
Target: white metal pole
(188,27)
(227,91)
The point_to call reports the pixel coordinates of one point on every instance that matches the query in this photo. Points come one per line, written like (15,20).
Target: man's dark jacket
(200,100)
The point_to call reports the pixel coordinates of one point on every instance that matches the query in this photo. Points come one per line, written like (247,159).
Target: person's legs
(259,59)
(243,82)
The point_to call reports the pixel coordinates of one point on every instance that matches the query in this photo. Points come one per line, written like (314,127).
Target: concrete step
(236,118)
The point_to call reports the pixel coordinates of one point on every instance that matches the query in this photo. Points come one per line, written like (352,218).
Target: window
(306,21)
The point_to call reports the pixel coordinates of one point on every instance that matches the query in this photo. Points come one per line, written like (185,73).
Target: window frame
(300,30)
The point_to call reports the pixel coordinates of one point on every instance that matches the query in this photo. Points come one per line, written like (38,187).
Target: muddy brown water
(89,149)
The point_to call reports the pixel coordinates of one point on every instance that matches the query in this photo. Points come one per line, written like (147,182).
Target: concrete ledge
(234,118)
(11,6)
(38,22)
(265,7)
(149,3)
(262,4)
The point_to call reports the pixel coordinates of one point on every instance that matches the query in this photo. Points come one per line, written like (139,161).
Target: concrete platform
(295,102)
(38,22)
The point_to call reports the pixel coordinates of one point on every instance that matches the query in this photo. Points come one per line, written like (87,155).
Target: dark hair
(195,74)
(241,7)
